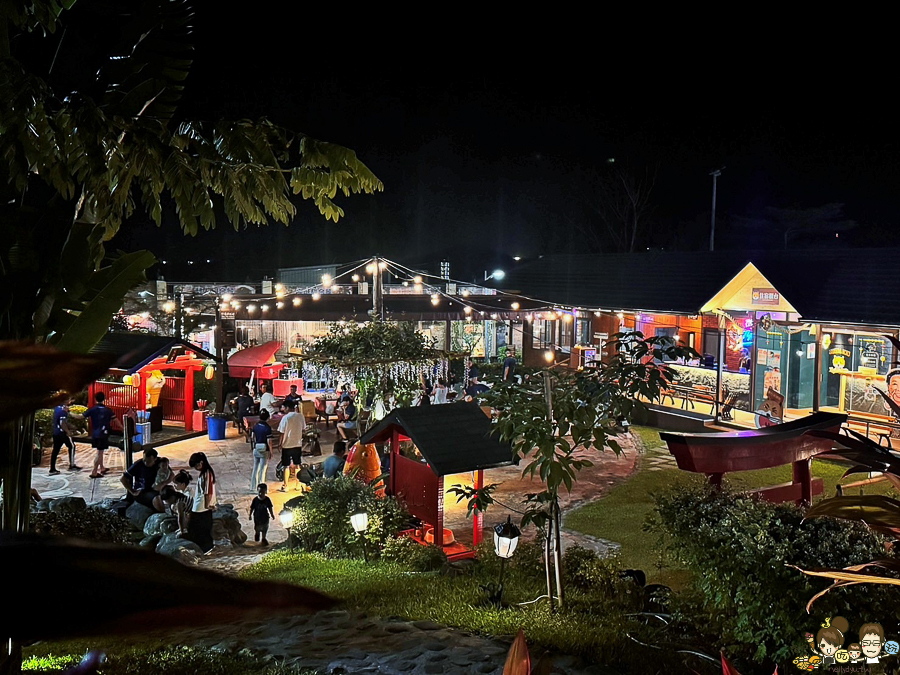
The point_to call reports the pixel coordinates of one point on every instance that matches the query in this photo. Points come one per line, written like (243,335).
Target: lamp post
(712,227)
(286,516)
(496,274)
(506,539)
(360,523)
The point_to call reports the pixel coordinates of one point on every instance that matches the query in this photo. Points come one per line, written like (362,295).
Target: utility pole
(712,228)
(377,302)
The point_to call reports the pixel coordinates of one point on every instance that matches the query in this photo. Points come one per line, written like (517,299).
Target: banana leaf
(128,590)
(518,661)
(877,511)
(853,575)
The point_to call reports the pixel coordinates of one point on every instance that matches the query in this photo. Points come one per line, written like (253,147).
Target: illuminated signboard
(765,296)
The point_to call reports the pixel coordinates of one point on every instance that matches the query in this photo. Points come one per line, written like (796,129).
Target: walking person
(262,452)
(101,420)
(200,524)
(509,365)
(62,435)
(261,509)
(244,403)
(292,427)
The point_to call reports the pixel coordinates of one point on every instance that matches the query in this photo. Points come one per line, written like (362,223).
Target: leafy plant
(92,524)
(554,413)
(322,517)
(738,549)
(407,553)
(385,357)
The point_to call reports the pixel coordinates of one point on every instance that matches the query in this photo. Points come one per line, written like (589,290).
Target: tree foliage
(75,163)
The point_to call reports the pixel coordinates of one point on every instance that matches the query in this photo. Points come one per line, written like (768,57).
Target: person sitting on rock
(175,503)
(139,479)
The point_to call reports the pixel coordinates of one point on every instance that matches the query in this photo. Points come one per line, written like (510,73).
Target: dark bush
(738,549)
(413,556)
(322,517)
(92,524)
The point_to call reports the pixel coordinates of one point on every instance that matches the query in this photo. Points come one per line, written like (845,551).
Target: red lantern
(136,380)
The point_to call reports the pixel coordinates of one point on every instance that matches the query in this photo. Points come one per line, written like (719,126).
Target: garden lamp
(360,523)
(506,538)
(286,516)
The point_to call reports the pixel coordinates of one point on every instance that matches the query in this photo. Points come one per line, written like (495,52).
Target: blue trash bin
(215,427)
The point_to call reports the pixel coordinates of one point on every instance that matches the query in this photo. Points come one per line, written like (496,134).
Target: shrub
(178,660)
(739,548)
(92,524)
(413,556)
(43,423)
(322,517)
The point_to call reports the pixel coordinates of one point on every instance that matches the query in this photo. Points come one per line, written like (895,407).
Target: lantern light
(435,301)
(418,287)
(209,372)
(251,308)
(126,379)
(417,279)
(265,308)
(465,293)
(286,516)
(279,304)
(467,309)
(316,296)
(296,302)
(360,522)
(370,268)
(169,306)
(326,280)
(506,539)
(515,306)
(226,297)
(548,356)
(355,277)
(620,315)
(382,265)
(279,287)
(567,317)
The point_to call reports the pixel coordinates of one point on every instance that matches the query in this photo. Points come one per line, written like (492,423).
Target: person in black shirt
(293,397)
(475,388)
(261,511)
(244,404)
(509,365)
(139,479)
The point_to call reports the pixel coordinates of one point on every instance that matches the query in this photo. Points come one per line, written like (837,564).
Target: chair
(309,411)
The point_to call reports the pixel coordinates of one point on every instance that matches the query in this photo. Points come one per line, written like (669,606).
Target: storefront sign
(765,296)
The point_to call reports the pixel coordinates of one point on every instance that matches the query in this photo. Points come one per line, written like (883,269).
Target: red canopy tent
(260,359)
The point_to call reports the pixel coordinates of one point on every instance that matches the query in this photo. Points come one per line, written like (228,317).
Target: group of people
(150,481)
(100,418)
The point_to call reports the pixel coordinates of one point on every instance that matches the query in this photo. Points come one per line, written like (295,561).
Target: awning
(260,359)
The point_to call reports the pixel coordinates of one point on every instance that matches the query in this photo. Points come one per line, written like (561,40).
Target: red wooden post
(395,451)
(142,391)
(802,474)
(478,519)
(188,399)
(439,525)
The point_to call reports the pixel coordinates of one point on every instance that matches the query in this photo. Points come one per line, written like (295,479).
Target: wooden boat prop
(718,453)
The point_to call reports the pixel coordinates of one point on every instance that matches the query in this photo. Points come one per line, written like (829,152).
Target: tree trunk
(16,439)
(557,550)
(547,558)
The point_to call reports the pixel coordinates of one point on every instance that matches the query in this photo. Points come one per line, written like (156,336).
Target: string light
(316,296)
(465,293)
(326,280)
(227,297)
(370,268)
(417,280)
(467,310)
(515,306)
(296,302)
(279,304)
(355,277)
(251,308)
(265,308)
(548,356)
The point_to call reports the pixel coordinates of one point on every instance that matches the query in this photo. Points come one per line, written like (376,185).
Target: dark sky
(486,139)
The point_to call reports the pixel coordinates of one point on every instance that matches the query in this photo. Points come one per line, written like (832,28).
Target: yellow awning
(749,291)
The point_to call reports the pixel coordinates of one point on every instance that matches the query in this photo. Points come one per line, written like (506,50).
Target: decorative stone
(137,515)
(151,541)
(160,523)
(180,549)
(68,505)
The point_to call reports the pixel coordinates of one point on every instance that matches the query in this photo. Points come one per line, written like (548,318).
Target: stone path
(338,642)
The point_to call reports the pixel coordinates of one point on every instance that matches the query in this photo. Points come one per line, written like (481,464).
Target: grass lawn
(620,515)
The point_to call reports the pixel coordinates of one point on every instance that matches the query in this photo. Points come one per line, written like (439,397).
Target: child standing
(261,510)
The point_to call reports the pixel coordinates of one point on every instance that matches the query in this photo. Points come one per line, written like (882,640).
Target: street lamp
(506,539)
(496,274)
(286,516)
(360,523)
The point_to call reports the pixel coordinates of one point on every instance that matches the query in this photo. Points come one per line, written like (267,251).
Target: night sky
(486,145)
